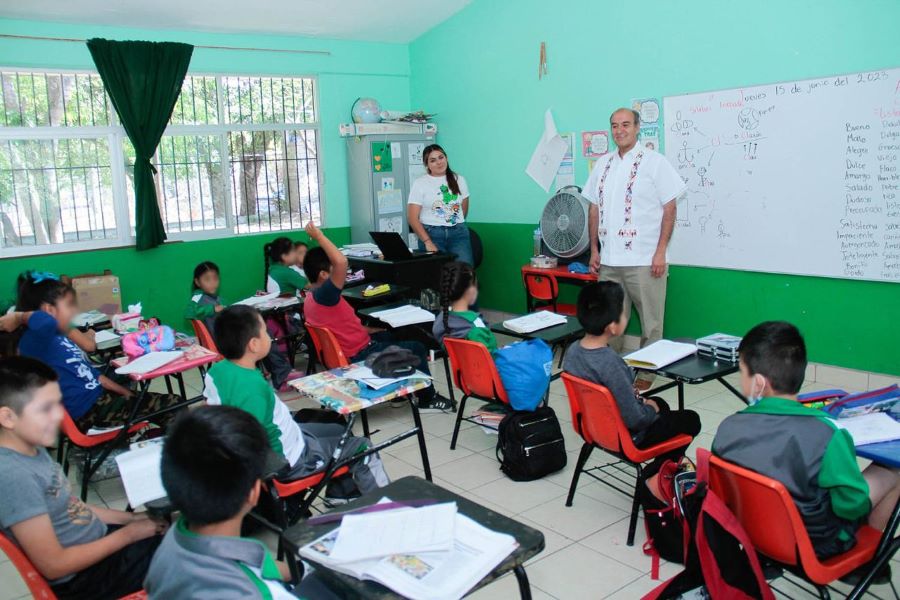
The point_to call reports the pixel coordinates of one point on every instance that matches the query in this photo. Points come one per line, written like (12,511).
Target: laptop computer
(393,247)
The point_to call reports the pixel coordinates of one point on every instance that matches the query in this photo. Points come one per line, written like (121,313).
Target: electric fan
(564,226)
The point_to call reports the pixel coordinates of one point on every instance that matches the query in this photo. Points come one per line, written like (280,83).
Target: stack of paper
(257,300)
(141,475)
(89,319)
(659,354)
(535,322)
(871,429)
(365,375)
(404,315)
(446,574)
(106,336)
(149,362)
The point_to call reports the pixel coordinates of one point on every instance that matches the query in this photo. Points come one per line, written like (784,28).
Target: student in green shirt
(281,255)
(459,291)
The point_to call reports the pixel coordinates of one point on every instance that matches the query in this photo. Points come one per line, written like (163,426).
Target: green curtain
(143,80)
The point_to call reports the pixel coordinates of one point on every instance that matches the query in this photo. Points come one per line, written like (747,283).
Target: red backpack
(718,554)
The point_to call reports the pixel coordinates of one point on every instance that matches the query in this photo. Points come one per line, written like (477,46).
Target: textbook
(535,321)
(659,354)
(447,575)
(404,315)
(140,473)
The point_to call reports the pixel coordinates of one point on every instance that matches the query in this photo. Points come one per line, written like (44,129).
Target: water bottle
(537,242)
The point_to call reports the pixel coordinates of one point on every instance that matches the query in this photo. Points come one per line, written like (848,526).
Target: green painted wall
(160,277)
(478,71)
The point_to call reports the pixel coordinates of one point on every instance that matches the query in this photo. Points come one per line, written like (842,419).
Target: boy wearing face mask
(801,447)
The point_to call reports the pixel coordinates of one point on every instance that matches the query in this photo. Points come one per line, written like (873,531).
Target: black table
(558,335)
(531,541)
(693,370)
(354,293)
(423,272)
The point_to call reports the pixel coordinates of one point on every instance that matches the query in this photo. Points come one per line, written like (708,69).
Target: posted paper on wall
(594,144)
(547,155)
(390,201)
(390,224)
(565,174)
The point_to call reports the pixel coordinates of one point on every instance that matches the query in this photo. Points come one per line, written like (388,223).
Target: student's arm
(39,541)
(841,476)
(111,386)
(200,312)
(115,517)
(12,321)
(636,415)
(658,265)
(465,206)
(86,340)
(338,260)
(483,335)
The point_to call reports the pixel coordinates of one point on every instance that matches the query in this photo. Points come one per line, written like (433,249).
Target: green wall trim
(161,278)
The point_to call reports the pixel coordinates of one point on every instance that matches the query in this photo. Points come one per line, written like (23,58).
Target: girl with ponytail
(459,291)
(280,255)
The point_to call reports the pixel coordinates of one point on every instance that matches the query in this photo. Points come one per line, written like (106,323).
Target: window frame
(116,137)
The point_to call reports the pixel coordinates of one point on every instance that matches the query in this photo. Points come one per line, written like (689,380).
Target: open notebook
(140,473)
(659,354)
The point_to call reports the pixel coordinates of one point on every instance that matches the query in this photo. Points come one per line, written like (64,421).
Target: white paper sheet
(415,153)
(106,335)
(365,375)
(535,321)
(401,531)
(389,201)
(870,429)
(404,315)
(257,300)
(149,362)
(390,224)
(415,171)
(659,354)
(140,474)
(547,155)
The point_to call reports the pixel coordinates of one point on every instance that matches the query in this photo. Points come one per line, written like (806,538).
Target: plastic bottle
(537,241)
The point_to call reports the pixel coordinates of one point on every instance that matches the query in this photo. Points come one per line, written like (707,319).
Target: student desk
(195,357)
(558,335)
(354,293)
(695,369)
(342,395)
(417,273)
(531,541)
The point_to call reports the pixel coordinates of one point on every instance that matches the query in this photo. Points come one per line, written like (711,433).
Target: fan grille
(564,224)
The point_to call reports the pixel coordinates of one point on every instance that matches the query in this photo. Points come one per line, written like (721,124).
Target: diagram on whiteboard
(797,177)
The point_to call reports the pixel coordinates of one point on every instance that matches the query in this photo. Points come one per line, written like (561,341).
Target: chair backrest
(36,583)
(765,509)
(595,415)
(328,349)
(541,286)
(474,371)
(204,337)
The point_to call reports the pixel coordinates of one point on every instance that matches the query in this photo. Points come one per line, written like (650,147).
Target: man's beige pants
(647,293)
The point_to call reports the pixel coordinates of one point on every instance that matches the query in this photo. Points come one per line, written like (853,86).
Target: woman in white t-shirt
(438,205)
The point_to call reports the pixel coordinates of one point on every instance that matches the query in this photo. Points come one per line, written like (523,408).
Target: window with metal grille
(240,155)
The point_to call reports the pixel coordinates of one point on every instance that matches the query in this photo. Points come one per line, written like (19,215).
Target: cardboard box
(98,292)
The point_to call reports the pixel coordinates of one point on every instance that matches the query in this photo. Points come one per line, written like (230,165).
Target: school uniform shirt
(630,193)
(606,367)
(284,280)
(464,325)
(229,384)
(202,307)
(78,379)
(440,206)
(189,565)
(325,307)
(36,485)
(814,459)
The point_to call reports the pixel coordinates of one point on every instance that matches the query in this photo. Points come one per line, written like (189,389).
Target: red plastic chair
(596,418)
(328,349)
(476,375)
(99,444)
(204,337)
(35,582)
(770,517)
(542,292)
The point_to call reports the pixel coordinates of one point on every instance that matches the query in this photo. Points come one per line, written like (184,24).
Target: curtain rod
(81,41)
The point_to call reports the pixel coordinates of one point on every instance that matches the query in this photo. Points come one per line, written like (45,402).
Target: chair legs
(583,456)
(459,417)
(635,505)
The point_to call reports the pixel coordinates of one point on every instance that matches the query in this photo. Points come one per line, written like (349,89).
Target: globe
(366,110)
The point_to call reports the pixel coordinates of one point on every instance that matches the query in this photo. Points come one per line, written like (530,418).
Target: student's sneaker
(340,491)
(882,575)
(437,403)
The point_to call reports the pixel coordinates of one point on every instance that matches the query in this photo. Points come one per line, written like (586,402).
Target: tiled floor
(585,556)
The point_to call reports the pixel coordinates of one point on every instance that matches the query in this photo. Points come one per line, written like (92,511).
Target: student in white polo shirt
(632,215)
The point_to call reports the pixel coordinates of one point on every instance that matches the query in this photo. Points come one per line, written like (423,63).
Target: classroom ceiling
(370,20)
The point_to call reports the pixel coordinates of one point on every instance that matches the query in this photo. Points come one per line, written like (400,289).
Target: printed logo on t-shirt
(76,357)
(448,206)
(77,511)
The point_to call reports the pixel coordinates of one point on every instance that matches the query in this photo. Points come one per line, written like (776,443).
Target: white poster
(396,150)
(390,201)
(565,174)
(547,155)
(415,153)
(415,171)
(390,224)
(387,183)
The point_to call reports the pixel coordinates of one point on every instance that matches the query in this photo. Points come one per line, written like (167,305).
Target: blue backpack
(525,368)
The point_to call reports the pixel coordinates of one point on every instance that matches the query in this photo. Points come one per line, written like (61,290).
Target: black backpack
(530,444)
(665,527)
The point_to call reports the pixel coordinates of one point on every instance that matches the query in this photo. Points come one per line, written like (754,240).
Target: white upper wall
(365,20)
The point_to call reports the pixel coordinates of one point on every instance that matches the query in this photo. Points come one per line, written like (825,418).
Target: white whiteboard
(796,177)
